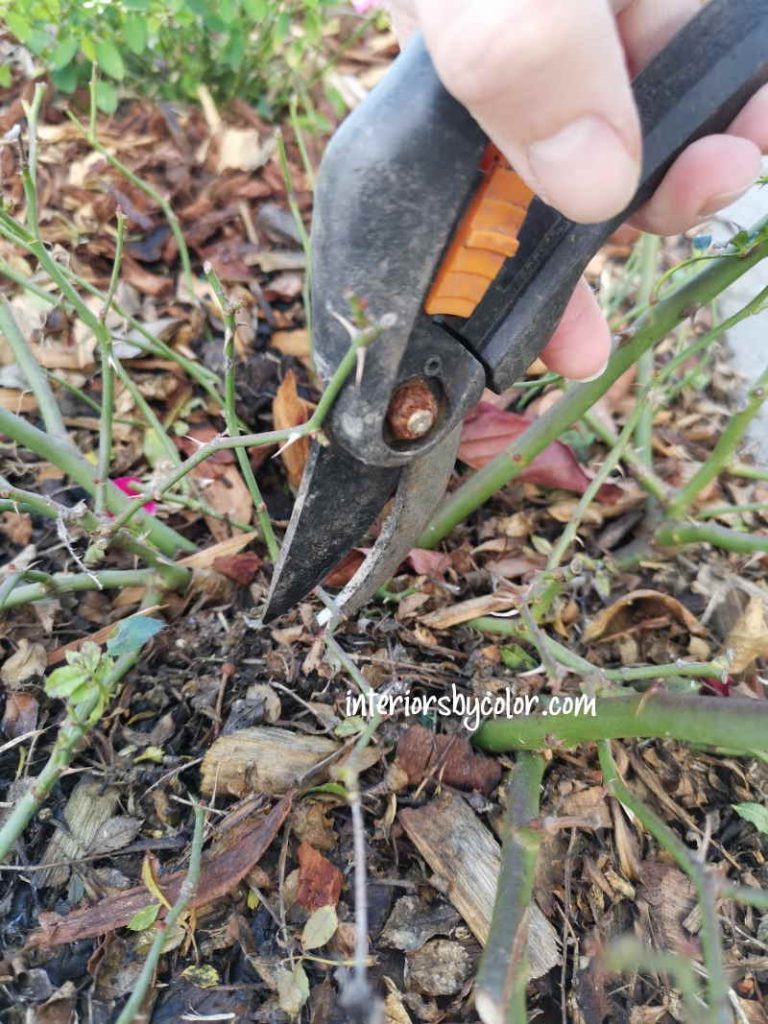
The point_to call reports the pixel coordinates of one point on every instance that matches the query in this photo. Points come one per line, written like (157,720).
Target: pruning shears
(421,219)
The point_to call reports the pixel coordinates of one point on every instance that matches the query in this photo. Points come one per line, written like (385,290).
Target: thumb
(547,81)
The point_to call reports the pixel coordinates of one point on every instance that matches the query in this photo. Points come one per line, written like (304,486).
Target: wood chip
(460,850)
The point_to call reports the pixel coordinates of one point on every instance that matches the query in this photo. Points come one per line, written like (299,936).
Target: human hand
(549,82)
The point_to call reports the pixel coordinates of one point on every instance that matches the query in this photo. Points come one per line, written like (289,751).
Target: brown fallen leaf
(293,343)
(17,527)
(448,759)
(241,568)
(224,549)
(237,849)
(26,662)
(487,431)
(637,607)
(290,410)
(320,882)
(20,714)
(748,638)
(473,608)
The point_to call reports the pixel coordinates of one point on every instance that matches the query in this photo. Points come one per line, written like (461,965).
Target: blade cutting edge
(338,500)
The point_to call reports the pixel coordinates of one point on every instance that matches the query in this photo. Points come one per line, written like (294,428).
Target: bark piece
(412,923)
(266,760)
(449,759)
(460,850)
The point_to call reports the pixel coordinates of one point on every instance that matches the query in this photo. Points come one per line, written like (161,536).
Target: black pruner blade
(338,501)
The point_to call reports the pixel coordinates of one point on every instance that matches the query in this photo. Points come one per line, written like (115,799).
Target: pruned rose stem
(735,723)
(503,973)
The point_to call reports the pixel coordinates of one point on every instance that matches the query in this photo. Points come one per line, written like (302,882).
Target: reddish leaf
(428,563)
(240,568)
(346,569)
(319,881)
(487,431)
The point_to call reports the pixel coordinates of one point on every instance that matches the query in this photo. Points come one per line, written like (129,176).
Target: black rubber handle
(694,87)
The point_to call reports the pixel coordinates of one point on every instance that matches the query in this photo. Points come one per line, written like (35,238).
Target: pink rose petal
(131,485)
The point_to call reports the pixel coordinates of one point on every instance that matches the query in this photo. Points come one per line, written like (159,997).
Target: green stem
(612,460)
(71,583)
(15,498)
(732,510)
(36,378)
(503,973)
(104,338)
(650,329)
(70,462)
(164,929)
(230,413)
(674,534)
(746,472)
(649,246)
(737,723)
(627,954)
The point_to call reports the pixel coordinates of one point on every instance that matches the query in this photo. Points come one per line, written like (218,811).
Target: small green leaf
(65,681)
(320,928)
(66,79)
(757,814)
(64,53)
(135,34)
(351,726)
(88,49)
(106,97)
(20,27)
(132,633)
(202,975)
(256,9)
(109,59)
(144,918)
(5,75)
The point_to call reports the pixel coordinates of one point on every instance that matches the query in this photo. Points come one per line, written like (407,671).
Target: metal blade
(338,500)
(422,484)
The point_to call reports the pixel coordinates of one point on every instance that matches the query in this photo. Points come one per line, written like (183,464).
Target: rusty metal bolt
(413,410)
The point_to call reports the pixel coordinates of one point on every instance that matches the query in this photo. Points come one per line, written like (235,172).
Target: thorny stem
(579,665)
(612,460)
(104,338)
(230,413)
(701,877)
(165,927)
(154,195)
(293,206)
(71,462)
(15,498)
(649,330)
(627,954)
(503,973)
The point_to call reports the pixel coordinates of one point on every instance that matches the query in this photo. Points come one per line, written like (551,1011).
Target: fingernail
(585,170)
(716,203)
(600,372)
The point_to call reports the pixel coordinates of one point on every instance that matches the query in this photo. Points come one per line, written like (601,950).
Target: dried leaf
(292,989)
(20,714)
(637,607)
(320,881)
(27,661)
(240,568)
(487,431)
(320,927)
(290,410)
(748,639)
(428,563)
(239,848)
